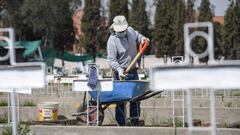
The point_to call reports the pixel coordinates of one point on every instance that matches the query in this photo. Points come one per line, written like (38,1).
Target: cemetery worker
(121,50)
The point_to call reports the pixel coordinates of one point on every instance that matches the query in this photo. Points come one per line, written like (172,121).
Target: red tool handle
(143,46)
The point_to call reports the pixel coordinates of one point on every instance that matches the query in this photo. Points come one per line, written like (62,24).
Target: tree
(190,12)
(179,20)
(54,23)
(90,25)
(164,30)
(231,46)
(118,7)
(44,19)
(75,4)
(218,40)
(205,15)
(205,11)
(10,14)
(138,18)
(102,34)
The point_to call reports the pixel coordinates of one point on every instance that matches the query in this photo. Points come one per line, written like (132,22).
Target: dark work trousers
(134,106)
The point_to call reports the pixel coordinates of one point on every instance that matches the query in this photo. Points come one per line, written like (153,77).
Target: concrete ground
(151,116)
(155,111)
(87,130)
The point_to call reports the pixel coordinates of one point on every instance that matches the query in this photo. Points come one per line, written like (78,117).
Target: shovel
(142,48)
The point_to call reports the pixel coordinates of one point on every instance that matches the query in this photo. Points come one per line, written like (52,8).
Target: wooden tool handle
(141,51)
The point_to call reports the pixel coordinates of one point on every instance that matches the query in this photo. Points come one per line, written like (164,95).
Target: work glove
(144,38)
(121,73)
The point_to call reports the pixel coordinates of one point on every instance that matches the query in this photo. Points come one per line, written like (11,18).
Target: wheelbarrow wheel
(82,119)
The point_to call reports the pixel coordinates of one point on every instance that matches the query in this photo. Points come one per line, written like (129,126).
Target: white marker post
(214,76)
(18,75)
(102,85)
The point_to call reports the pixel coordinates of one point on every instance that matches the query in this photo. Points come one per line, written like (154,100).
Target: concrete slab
(150,115)
(86,130)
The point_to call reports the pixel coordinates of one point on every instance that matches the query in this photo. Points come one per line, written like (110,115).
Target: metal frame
(188,38)
(98,95)
(102,85)
(20,69)
(215,75)
(178,60)
(15,82)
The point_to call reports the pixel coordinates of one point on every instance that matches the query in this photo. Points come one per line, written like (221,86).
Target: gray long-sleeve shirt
(121,51)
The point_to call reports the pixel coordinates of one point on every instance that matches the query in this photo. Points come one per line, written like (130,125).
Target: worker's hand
(121,73)
(143,39)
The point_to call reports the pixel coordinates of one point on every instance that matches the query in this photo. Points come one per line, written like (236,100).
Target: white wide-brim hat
(120,23)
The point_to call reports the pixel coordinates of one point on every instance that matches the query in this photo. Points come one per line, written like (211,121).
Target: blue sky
(220,6)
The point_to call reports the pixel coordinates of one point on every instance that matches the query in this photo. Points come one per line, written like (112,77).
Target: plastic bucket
(48,111)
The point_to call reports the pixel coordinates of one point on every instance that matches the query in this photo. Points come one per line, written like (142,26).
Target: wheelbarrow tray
(122,91)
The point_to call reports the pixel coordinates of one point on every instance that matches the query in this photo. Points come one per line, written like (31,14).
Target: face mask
(121,34)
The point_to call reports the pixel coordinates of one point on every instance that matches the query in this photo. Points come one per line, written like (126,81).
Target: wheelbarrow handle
(142,48)
(146,96)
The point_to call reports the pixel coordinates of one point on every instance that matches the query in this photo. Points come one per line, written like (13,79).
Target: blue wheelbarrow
(123,91)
